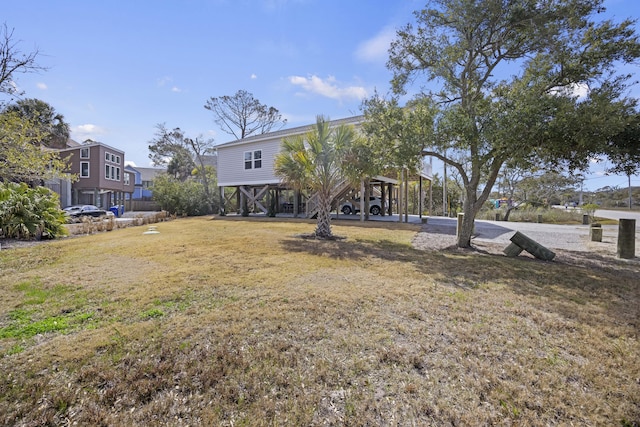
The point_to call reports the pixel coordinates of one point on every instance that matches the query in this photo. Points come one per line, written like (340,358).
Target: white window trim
(88,169)
(255,161)
(249,159)
(85,150)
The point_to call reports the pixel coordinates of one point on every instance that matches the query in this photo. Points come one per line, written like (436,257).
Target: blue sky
(118,68)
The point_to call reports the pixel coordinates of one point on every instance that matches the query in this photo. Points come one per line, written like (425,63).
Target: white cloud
(254,76)
(377,48)
(87,131)
(176,89)
(328,87)
(130,163)
(41,86)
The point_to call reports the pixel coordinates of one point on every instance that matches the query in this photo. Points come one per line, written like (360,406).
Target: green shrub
(590,209)
(29,213)
(177,197)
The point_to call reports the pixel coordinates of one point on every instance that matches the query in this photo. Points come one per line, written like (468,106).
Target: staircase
(338,193)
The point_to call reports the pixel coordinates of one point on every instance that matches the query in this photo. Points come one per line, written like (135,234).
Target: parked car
(78,211)
(375,206)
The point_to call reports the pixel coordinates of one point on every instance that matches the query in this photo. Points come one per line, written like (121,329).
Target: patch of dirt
(14,244)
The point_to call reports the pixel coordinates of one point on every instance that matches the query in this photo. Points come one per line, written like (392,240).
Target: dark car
(84,210)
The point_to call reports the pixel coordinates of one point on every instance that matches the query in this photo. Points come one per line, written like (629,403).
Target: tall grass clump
(530,214)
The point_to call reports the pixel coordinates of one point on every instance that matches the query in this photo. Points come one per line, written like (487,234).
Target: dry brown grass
(242,322)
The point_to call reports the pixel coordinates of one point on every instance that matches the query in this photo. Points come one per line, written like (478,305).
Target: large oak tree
(525,80)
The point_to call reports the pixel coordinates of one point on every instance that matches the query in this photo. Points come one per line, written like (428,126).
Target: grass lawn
(242,322)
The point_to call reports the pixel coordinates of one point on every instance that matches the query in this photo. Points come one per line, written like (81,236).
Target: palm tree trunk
(323,226)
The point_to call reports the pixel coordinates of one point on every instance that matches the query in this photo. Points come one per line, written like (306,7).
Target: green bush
(30,213)
(180,197)
(590,209)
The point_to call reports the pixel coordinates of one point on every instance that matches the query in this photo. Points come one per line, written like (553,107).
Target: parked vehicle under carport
(348,207)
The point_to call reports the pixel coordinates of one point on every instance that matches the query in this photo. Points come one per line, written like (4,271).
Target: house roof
(93,144)
(354,120)
(146,174)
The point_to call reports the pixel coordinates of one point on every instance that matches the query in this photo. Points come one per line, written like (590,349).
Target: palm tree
(50,122)
(314,161)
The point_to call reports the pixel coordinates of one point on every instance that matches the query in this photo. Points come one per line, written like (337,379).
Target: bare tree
(12,61)
(241,115)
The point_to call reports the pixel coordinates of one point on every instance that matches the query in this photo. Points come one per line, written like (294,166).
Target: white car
(375,206)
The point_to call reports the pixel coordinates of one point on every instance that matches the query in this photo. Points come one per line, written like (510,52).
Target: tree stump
(531,246)
(512,250)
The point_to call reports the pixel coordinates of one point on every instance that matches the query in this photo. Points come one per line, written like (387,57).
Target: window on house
(117,174)
(253,159)
(118,159)
(84,169)
(113,173)
(113,158)
(257,159)
(84,153)
(107,171)
(126,178)
(107,156)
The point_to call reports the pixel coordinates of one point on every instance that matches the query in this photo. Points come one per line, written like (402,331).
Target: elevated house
(102,179)
(246,176)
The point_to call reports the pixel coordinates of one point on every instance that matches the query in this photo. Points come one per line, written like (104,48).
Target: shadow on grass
(572,281)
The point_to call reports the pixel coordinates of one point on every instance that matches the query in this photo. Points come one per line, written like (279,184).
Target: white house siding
(231,171)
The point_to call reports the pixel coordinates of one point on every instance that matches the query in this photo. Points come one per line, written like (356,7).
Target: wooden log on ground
(533,247)
(512,250)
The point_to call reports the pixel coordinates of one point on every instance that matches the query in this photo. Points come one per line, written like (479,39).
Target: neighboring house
(142,179)
(101,178)
(247,165)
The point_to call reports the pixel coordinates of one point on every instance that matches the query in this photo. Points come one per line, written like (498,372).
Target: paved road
(568,237)
(603,213)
